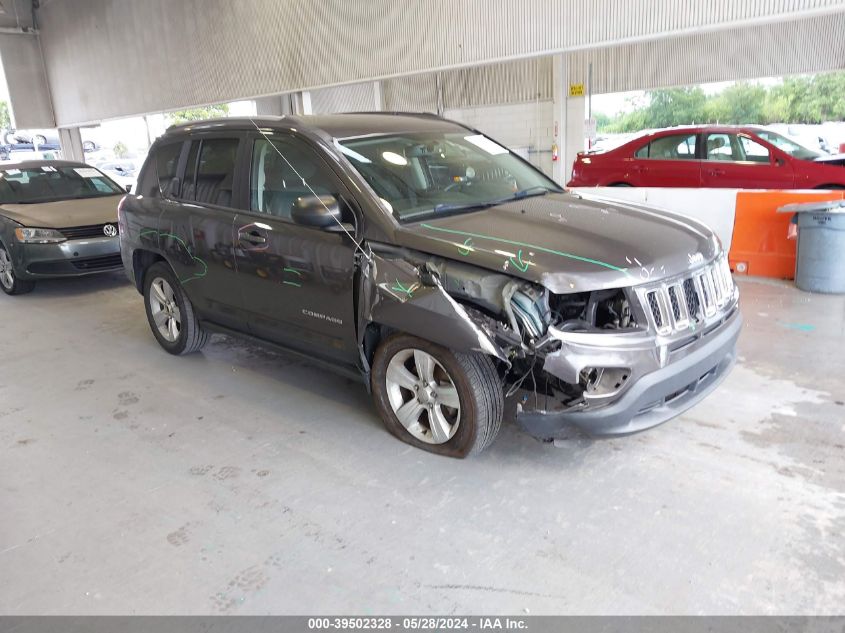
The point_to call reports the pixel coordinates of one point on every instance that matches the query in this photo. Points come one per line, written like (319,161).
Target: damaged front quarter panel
(404,291)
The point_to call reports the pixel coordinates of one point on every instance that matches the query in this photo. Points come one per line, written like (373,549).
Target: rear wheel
(170,313)
(444,402)
(9,281)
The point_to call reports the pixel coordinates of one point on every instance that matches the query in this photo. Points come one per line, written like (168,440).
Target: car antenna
(339,223)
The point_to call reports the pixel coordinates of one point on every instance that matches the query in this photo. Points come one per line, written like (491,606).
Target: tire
(831,187)
(88,146)
(39,139)
(620,184)
(165,302)
(471,378)
(9,282)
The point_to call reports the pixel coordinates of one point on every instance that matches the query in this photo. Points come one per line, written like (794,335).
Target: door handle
(717,172)
(252,237)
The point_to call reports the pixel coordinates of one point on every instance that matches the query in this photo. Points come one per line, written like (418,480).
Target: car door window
(210,178)
(672,147)
(190,179)
(167,163)
(283,171)
(723,147)
(753,151)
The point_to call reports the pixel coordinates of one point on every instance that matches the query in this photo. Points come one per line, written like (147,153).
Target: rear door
(667,161)
(297,281)
(197,233)
(736,160)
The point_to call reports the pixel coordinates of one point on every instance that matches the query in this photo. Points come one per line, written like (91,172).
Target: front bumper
(72,258)
(653,397)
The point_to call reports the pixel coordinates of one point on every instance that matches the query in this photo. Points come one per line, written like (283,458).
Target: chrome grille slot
(691,297)
(679,306)
(676,306)
(656,311)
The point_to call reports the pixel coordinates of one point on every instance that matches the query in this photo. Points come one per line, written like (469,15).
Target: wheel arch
(142,259)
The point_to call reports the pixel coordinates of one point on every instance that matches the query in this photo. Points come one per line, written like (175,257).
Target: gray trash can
(820,262)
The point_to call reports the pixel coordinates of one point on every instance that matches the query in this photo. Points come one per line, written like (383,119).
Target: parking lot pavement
(241,481)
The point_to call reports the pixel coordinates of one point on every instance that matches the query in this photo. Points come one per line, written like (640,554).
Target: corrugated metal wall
(786,48)
(352,98)
(109,58)
(28,92)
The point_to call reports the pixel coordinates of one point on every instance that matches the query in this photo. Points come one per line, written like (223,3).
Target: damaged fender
(409,298)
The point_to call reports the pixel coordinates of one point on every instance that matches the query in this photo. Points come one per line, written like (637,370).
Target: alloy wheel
(7,273)
(423,396)
(165,310)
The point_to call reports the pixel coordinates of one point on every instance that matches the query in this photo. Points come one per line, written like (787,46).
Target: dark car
(434,264)
(57,219)
(742,157)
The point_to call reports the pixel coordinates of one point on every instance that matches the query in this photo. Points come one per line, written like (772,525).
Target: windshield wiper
(464,206)
(539,190)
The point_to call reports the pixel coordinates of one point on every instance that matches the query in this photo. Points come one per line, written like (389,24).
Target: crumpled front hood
(64,213)
(568,243)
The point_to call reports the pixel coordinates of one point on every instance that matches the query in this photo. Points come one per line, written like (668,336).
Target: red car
(741,157)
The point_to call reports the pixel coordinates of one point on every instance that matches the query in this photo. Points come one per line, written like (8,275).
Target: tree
(198,114)
(805,99)
(5,119)
(740,103)
(675,106)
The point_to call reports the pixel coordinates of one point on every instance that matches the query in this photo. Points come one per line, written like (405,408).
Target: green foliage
(809,99)
(198,114)
(5,119)
(120,150)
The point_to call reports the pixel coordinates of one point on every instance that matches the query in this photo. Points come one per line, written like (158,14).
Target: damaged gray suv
(437,266)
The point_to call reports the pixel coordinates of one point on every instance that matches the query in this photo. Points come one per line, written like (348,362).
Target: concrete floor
(239,481)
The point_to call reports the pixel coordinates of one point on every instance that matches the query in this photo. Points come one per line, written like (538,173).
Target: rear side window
(209,179)
(167,161)
(672,147)
(189,182)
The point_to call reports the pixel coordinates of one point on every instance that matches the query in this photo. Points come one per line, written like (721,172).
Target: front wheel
(444,402)
(9,282)
(170,313)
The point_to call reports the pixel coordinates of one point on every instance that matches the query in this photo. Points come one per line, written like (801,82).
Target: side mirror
(318,211)
(128,188)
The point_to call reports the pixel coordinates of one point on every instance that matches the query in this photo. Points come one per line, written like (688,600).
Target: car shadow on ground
(73,286)
(291,371)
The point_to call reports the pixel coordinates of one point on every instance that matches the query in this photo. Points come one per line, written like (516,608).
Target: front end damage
(608,361)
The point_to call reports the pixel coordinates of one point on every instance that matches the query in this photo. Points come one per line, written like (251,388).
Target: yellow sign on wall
(576,90)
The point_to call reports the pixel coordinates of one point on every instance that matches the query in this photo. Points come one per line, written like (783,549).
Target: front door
(297,281)
(738,161)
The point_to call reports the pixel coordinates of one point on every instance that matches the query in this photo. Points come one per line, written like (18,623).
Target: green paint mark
(530,246)
(466,248)
(292,283)
(295,271)
(187,250)
(399,287)
(801,327)
(523,266)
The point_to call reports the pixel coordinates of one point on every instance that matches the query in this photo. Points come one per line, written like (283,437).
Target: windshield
(418,175)
(49,184)
(787,145)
